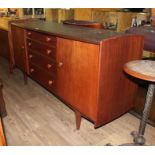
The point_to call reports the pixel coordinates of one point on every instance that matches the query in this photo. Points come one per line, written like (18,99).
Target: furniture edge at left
(3,113)
(6,45)
(2,136)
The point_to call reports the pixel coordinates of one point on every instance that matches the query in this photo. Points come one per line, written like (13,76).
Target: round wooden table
(144,70)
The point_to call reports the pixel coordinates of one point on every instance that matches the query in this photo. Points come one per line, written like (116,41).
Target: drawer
(42,77)
(48,51)
(43,38)
(41,61)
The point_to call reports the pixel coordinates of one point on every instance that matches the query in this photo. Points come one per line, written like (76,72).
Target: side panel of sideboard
(116,90)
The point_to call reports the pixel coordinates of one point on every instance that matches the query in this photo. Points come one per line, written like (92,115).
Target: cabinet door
(77,75)
(20,54)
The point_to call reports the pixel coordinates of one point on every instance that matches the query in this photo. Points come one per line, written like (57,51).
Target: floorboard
(36,117)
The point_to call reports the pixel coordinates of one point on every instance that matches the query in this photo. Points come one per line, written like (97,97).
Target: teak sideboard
(81,66)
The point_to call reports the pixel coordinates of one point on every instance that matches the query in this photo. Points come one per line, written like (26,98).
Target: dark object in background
(27,11)
(149,36)
(84,23)
(12,12)
(134,9)
(42,18)
(39,11)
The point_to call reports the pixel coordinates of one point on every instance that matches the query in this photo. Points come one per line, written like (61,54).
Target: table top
(142,69)
(79,33)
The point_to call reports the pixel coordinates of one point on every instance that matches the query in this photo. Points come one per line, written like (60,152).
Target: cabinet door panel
(20,55)
(77,75)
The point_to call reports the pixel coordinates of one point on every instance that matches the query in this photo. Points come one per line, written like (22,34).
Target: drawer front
(41,61)
(47,51)
(45,79)
(43,38)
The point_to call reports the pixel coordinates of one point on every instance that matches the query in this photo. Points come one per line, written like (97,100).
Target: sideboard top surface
(89,35)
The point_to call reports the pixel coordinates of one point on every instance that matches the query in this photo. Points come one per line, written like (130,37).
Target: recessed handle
(49,51)
(31,70)
(29,44)
(30,56)
(49,66)
(50,82)
(29,33)
(48,39)
(22,47)
(60,64)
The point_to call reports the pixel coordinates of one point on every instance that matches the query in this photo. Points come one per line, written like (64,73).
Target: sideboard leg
(78,119)
(11,66)
(25,78)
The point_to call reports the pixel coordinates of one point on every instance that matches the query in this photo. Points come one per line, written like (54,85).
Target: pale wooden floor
(36,117)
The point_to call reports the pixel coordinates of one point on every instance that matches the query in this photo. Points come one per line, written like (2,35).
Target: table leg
(139,137)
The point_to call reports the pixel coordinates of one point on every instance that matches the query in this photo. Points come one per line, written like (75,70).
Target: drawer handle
(22,47)
(29,33)
(31,70)
(49,66)
(48,51)
(29,44)
(60,64)
(30,56)
(50,82)
(48,39)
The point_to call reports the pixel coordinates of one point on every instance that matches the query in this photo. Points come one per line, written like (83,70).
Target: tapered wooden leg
(78,119)
(11,68)
(25,78)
